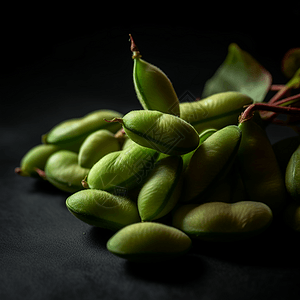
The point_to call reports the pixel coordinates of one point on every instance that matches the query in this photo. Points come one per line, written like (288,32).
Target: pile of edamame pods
(172,172)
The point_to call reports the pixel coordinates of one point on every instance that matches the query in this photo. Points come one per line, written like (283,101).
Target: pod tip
(134,49)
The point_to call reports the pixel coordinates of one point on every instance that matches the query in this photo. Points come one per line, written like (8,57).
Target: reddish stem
(248,113)
(134,49)
(279,94)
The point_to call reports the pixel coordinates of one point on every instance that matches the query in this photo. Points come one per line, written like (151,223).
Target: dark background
(62,65)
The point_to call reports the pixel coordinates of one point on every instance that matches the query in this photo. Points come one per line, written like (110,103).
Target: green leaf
(239,72)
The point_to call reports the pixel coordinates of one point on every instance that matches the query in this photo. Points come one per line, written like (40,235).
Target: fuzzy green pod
(292,175)
(62,170)
(259,168)
(218,221)
(210,162)
(71,133)
(34,159)
(161,132)
(102,209)
(161,191)
(216,111)
(152,86)
(124,169)
(149,241)
(96,146)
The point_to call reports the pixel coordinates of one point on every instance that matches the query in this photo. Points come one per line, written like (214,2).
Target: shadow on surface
(180,270)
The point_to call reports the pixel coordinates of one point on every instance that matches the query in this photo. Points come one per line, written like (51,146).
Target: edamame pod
(34,159)
(218,221)
(102,209)
(124,169)
(216,111)
(62,170)
(259,168)
(292,216)
(95,146)
(162,132)
(149,241)
(71,133)
(292,175)
(153,88)
(162,189)
(210,162)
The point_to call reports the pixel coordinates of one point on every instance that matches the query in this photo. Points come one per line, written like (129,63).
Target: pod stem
(114,120)
(41,173)
(134,49)
(249,111)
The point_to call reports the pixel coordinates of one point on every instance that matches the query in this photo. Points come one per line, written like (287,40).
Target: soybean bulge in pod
(161,191)
(149,241)
(159,131)
(218,221)
(97,145)
(216,111)
(34,159)
(259,169)
(102,209)
(153,88)
(210,162)
(71,133)
(124,169)
(292,175)
(62,170)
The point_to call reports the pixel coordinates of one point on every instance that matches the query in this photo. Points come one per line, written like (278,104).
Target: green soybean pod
(124,169)
(202,137)
(216,111)
(161,191)
(71,133)
(210,162)
(292,175)
(153,88)
(291,216)
(62,170)
(218,221)
(259,168)
(159,131)
(149,241)
(102,209)
(34,159)
(96,146)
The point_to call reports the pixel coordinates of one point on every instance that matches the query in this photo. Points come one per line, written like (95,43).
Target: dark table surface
(46,253)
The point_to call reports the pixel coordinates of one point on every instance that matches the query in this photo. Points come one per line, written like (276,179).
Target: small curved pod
(34,159)
(210,162)
(152,86)
(292,216)
(62,170)
(149,241)
(216,111)
(218,221)
(259,169)
(159,131)
(161,191)
(71,133)
(292,175)
(124,169)
(102,209)
(96,146)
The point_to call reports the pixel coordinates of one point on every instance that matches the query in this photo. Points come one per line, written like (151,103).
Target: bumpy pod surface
(162,189)
(71,133)
(124,169)
(259,168)
(216,111)
(153,88)
(292,175)
(63,171)
(149,241)
(96,146)
(210,162)
(102,209)
(35,158)
(220,221)
(162,132)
